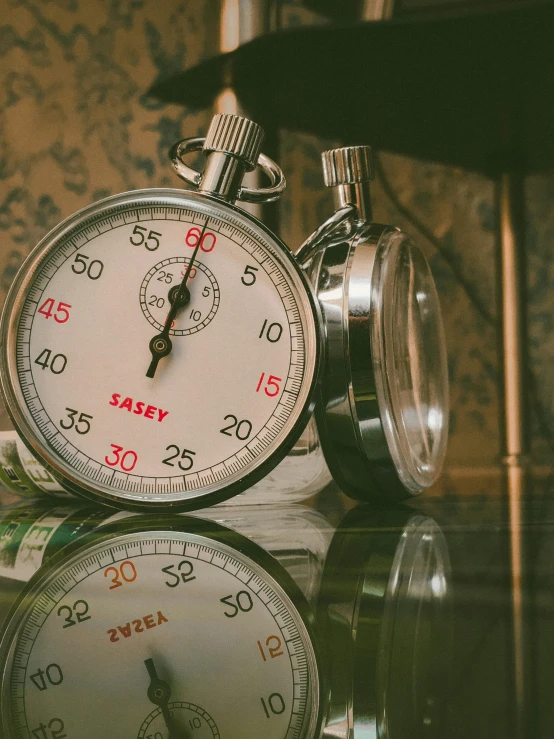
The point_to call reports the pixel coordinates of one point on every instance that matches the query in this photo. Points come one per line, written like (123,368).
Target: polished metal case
(69,477)
(348,413)
(357,412)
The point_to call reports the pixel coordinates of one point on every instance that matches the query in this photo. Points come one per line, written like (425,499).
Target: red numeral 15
(271,382)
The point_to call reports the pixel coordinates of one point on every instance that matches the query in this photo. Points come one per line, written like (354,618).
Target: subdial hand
(160,346)
(159,693)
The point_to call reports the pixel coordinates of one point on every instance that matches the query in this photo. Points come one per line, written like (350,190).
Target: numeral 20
(126,570)
(61,314)
(242,429)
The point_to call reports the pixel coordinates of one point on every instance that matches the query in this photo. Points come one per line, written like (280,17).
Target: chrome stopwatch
(383,411)
(175,629)
(161,347)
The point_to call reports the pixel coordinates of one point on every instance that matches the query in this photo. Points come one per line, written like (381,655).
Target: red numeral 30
(61,314)
(126,461)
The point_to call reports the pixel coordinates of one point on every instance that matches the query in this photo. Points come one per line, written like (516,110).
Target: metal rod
(515,442)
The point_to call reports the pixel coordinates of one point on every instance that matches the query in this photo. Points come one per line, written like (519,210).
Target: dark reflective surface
(421,623)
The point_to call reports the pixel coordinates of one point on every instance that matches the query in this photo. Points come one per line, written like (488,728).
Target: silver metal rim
(246,194)
(70,478)
(349,417)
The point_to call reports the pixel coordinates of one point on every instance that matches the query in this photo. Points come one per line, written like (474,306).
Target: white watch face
(235,386)
(409,356)
(162,634)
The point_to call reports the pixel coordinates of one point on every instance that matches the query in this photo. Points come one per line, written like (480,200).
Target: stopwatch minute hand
(159,693)
(160,346)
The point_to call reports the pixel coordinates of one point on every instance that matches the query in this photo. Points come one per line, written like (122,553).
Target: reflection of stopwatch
(161,347)
(172,630)
(386,620)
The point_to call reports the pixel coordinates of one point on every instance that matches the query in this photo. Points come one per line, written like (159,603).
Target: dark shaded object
(473,91)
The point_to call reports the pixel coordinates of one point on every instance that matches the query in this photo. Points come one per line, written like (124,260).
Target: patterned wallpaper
(75,126)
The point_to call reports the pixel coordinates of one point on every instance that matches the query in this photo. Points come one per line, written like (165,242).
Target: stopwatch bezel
(201,529)
(352,409)
(69,478)
(364,569)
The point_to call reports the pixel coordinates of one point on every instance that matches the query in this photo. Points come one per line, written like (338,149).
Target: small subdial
(162,282)
(188,721)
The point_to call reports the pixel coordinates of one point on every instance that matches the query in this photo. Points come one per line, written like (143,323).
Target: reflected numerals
(75,614)
(50,677)
(53,730)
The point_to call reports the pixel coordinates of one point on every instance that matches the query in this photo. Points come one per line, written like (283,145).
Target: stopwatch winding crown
(232,147)
(236,136)
(348,165)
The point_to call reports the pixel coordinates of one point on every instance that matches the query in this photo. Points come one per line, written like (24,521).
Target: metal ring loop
(246,194)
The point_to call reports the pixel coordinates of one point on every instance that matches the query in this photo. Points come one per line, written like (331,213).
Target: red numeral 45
(61,313)
(126,461)
(271,386)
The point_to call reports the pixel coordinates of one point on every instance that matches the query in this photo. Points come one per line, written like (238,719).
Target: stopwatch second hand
(159,693)
(160,346)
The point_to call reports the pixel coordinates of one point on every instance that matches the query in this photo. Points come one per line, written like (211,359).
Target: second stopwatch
(160,346)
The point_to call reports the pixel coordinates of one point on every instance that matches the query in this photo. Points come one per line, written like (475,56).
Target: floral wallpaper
(76,126)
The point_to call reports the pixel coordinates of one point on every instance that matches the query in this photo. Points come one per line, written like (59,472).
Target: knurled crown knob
(348,165)
(236,136)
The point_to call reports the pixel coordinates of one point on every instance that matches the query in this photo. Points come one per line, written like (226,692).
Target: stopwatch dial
(234,390)
(187,720)
(158,289)
(230,649)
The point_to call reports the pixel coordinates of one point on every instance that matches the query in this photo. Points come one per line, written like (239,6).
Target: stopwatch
(161,347)
(164,629)
(382,413)
(386,614)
